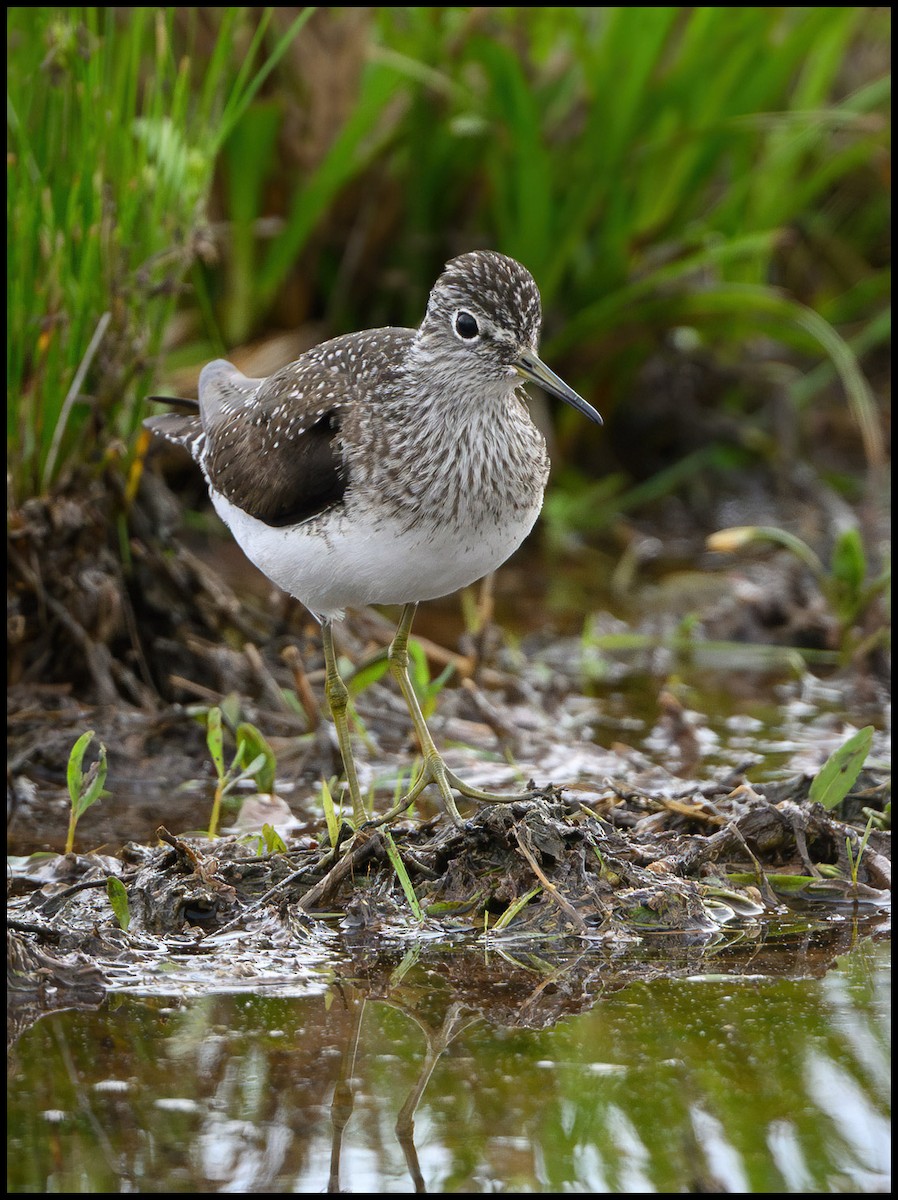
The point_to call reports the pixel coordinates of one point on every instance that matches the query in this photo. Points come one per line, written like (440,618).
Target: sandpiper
(388,466)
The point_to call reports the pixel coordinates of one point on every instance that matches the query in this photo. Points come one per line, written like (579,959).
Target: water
(476,1070)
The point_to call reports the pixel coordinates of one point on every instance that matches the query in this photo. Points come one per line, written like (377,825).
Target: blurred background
(702,194)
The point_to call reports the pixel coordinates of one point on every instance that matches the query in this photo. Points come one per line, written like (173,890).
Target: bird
(386,467)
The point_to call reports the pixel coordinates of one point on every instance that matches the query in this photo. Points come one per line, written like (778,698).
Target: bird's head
(482,324)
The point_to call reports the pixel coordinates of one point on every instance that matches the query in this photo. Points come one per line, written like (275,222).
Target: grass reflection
(740,1082)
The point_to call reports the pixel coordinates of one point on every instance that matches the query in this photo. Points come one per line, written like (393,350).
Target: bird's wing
(272,445)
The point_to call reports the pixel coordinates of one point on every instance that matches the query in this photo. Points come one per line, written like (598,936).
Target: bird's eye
(466,326)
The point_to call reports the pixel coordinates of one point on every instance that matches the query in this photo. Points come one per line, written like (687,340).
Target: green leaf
(368,673)
(251,745)
(849,563)
(419,670)
(118,898)
(74,776)
(513,909)
(85,789)
(402,875)
(92,784)
(782,884)
(274,843)
(450,908)
(330,813)
(426,689)
(836,777)
(215,741)
(230,710)
(248,772)
(849,570)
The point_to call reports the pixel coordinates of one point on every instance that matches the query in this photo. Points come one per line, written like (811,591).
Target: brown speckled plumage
(386,467)
(426,427)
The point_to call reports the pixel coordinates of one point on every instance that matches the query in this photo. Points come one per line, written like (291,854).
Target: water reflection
(436,1039)
(465,1071)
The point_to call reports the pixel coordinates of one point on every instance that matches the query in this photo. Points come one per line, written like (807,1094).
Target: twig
(187,856)
(353,858)
(267,681)
(551,890)
(310,707)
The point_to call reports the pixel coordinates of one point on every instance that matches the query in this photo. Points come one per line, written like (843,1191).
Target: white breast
(333,562)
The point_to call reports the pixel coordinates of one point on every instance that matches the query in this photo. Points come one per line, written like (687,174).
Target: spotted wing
(273,446)
(277,446)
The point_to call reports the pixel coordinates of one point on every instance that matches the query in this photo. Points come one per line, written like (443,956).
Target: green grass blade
(330,814)
(215,740)
(837,776)
(513,909)
(402,875)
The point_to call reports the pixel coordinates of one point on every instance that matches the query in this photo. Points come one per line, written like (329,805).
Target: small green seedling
(267,840)
(274,843)
(332,819)
(854,863)
(254,760)
(881,820)
(85,788)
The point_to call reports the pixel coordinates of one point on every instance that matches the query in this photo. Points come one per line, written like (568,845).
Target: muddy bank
(605,874)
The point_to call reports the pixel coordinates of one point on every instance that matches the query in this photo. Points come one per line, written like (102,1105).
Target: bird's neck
(444,393)
(445,443)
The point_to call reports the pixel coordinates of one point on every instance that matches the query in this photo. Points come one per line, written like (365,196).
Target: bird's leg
(338,700)
(434,769)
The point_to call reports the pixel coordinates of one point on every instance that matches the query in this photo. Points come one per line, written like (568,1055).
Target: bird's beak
(531,367)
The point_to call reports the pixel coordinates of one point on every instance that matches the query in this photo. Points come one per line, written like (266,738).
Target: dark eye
(466,326)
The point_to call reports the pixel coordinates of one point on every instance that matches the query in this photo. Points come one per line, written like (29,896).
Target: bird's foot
(435,771)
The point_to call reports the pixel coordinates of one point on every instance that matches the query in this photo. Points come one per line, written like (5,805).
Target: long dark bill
(532,368)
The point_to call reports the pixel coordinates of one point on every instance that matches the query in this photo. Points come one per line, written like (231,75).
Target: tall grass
(658,167)
(115,121)
(716,168)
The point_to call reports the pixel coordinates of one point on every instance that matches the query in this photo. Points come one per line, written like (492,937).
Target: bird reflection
(437,1038)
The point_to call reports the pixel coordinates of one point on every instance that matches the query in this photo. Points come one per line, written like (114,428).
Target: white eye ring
(465,325)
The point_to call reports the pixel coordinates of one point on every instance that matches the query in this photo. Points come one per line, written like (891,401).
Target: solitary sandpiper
(386,467)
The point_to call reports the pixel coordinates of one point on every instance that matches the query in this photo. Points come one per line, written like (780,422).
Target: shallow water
(757,1063)
(476,1069)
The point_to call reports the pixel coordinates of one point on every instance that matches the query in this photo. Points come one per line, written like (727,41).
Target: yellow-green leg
(338,700)
(434,769)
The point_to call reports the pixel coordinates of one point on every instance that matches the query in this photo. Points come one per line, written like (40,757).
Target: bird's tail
(183,428)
